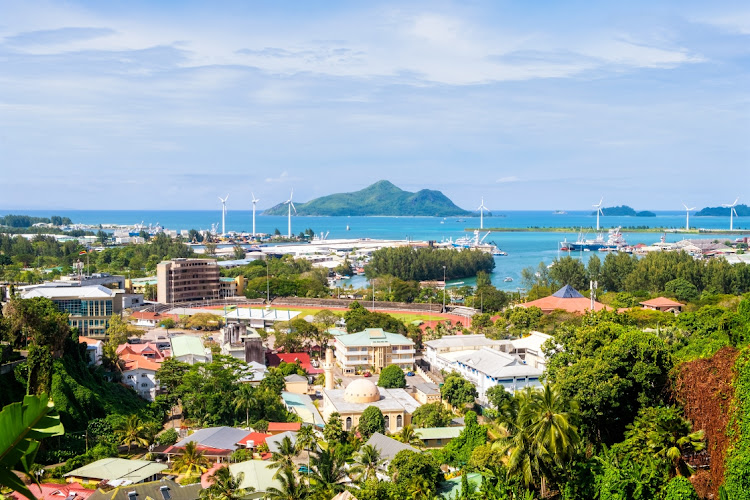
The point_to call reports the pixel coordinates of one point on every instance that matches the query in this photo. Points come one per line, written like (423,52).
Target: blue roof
(567,292)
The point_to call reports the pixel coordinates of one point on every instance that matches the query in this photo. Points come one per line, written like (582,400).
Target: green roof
(185,345)
(255,474)
(373,337)
(111,469)
(451,488)
(438,432)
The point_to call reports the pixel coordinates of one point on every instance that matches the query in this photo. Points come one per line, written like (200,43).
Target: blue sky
(548,105)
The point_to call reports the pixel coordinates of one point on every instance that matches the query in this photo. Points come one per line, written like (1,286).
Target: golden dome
(361,391)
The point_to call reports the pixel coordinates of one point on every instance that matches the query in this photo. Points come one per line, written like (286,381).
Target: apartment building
(187,280)
(373,349)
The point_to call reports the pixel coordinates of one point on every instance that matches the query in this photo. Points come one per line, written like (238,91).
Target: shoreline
(549,229)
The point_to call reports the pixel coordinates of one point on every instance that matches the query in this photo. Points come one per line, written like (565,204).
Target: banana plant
(22,426)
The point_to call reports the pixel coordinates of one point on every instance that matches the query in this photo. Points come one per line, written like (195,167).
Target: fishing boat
(614,242)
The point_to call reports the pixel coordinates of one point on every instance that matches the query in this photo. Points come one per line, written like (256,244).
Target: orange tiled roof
(578,305)
(88,340)
(661,302)
(283,426)
(136,361)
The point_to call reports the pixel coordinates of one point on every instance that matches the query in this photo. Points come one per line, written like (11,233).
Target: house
(253,440)
(116,471)
(241,342)
(189,349)
(274,442)
(52,491)
(94,349)
(567,299)
(388,447)
(275,359)
(254,373)
(486,368)
(529,349)
(663,304)
(225,438)
(435,349)
(139,372)
(164,489)
(396,405)
(302,406)
(373,349)
(296,384)
(257,478)
(427,393)
(437,437)
(151,319)
(279,427)
(149,350)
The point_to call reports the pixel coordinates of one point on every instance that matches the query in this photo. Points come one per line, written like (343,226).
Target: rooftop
(223,438)
(427,388)
(275,359)
(66,292)
(283,426)
(534,341)
(247,313)
(388,447)
(186,345)
(303,406)
(567,299)
(164,489)
(390,400)
(462,341)
(274,442)
(372,337)
(661,302)
(496,364)
(255,474)
(438,432)
(118,469)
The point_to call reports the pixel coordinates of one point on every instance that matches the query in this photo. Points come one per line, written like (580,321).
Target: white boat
(508,279)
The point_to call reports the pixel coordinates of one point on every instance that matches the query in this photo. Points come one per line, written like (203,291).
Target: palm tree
(191,460)
(420,488)
(366,462)
(305,441)
(244,399)
(329,471)
(225,486)
(290,489)
(284,458)
(132,430)
(408,435)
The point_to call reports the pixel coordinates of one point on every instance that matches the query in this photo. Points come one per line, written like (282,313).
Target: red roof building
(294,357)
(663,304)
(254,439)
(279,427)
(71,491)
(567,299)
(148,350)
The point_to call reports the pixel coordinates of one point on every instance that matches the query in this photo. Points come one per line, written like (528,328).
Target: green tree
(168,437)
(306,441)
(408,435)
(132,430)
(371,421)
(679,488)
(283,459)
(244,399)
(431,415)
(191,462)
(225,486)
(238,252)
(289,488)
(328,473)
(457,391)
(392,377)
(334,432)
(682,289)
(366,463)
(568,271)
(459,450)
(408,465)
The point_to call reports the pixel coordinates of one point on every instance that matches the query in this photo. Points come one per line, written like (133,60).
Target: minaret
(328,368)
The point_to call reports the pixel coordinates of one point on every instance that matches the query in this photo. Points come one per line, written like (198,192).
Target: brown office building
(186,280)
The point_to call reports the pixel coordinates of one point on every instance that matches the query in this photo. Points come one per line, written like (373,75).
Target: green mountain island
(741,210)
(381,198)
(625,211)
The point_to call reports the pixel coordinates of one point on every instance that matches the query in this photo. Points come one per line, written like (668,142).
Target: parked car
(367,374)
(409,374)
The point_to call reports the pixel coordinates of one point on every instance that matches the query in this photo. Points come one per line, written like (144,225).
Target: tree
(682,289)
(408,465)
(22,426)
(334,431)
(371,421)
(290,489)
(244,399)
(191,461)
(225,486)
(328,473)
(284,458)
(210,248)
(680,488)
(168,437)
(568,271)
(431,415)
(498,396)
(119,331)
(459,450)
(366,463)
(238,252)
(132,430)
(458,391)
(168,324)
(306,441)
(392,377)
(409,436)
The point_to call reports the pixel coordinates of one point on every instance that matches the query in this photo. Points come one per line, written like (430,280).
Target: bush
(679,488)
(392,377)
(167,437)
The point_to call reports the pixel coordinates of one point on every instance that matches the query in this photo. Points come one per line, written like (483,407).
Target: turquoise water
(524,249)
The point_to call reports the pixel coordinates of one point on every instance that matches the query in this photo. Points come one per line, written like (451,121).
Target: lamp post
(445,288)
(268,286)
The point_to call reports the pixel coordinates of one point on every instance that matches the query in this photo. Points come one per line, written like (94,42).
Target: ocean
(524,248)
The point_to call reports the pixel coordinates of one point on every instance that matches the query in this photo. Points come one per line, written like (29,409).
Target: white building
(529,349)
(487,367)
(259,318)
(189,349)
(435,349)
(373,349)
(94,350)
(140,374)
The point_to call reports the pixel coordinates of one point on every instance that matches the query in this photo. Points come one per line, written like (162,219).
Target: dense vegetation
(624,210)
(22,221)
(408,263)
(381,198)
(742,211)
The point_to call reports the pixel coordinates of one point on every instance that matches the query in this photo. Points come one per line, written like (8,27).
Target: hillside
(742,211)
(625,210)
(381,198)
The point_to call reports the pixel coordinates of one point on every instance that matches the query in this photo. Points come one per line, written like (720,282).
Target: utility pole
(445,288)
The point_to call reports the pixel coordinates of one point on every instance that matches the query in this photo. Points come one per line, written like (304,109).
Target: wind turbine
(598,211)
(481,209)
(687,216)
(255,200)
(223,214)
(291,206)
(732,212)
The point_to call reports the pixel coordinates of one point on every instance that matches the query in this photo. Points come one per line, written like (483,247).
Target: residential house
(566,299)
(164,489)
(663,304)
(189,349)
(388,447)
(296,384)
(94,349)
(437,437)
(116,471)
(427,393)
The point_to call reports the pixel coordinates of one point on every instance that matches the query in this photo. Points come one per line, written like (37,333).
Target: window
(348,423)
(399,422)
(387,422)
(143,375)
(144,385)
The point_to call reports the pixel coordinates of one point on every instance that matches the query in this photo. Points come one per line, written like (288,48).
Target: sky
(530,105)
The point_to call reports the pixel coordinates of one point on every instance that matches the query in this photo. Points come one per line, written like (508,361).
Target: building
(52,491)
(89,307)
(164,489)
(434,349)
(373,349)
(189,349)
(396,405)
(257,478)
(427,393)
(253,440)
(437,437)
(259,317)
(303,406)
(116,472)
(94,349)
(529,349)
(139,372)
(663,304)
(486,368)
(187,280)
(151,319)
(243,343)
(275,428)
(275,359)
(567,299)
(274,442)
(231,287)
(388,447)
(296,384)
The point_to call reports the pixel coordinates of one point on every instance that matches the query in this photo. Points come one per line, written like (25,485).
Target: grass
(400,315)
